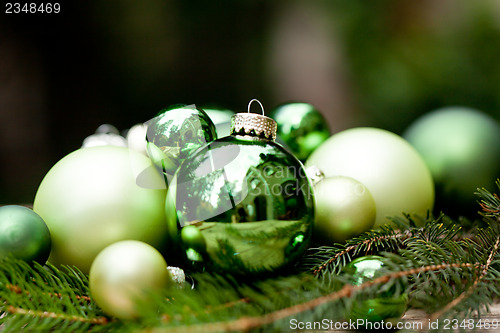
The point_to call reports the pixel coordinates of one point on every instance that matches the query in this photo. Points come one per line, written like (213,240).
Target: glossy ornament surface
(344,208)
(123,274)
(176,133)
(301,127)
(392,170)
(221,119)
(23,234)
(385,306)
(461,147)
(242,204)
(96,196)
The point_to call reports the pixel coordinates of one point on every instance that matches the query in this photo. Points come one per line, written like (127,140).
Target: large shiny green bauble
(124,274)
(391,169)
(96,196)
(344,208)
(301,127)
(23,234)
(175,133)
(385,306)
(243,207)
(461,147)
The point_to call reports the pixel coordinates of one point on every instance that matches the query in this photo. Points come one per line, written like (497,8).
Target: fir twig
(45,298)
(366,244)
(469,291)
(246,323)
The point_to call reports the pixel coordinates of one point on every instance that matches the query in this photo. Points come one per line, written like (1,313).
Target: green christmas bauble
(461,147)
(344,208)
(392,170)
(221,119)
(385,306)
(242,204)
(23,234)
(301,127)
(97,196)
(124,274)
(175,133)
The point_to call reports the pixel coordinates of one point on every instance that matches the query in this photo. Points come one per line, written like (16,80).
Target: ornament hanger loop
(255,100)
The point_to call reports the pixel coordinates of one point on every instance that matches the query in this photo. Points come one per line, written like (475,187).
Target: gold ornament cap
(253,126)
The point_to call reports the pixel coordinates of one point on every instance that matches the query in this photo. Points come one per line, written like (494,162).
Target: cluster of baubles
(230,193)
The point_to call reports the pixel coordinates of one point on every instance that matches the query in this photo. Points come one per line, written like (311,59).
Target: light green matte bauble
(385,306)
(221,119)
(392,170)
(344,208)
(461,147)
(301,127)
(97,196)
(242,204)
(175,133)
(124,274)
(23,234)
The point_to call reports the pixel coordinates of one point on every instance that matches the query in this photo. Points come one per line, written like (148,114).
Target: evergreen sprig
(446,270)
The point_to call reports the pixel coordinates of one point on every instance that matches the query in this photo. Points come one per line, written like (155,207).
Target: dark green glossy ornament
(385,306)
(221,119)
(176,133)
(301,127)
(242,204)
(23,234)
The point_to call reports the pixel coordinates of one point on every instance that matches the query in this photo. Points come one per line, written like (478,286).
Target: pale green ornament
(97,196)
(344,208)
(123,274)
(461,147)
(390,168)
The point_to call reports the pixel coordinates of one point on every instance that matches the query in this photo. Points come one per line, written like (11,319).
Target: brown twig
(18,290)
(46,314)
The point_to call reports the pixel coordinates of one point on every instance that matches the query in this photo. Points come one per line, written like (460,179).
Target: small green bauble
(242,204)
(175,133)
(23,234)
(344,208)
(384,307)
(301,127)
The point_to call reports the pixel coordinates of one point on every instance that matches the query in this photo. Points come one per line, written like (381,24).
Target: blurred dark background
(362,63)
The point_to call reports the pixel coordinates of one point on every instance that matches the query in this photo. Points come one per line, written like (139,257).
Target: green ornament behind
(301,128)
(175,133)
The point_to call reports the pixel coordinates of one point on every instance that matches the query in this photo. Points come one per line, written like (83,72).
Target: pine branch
(490,204)
(247,323)
(365,246)
(472,289)
(331,259)
(45,298)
